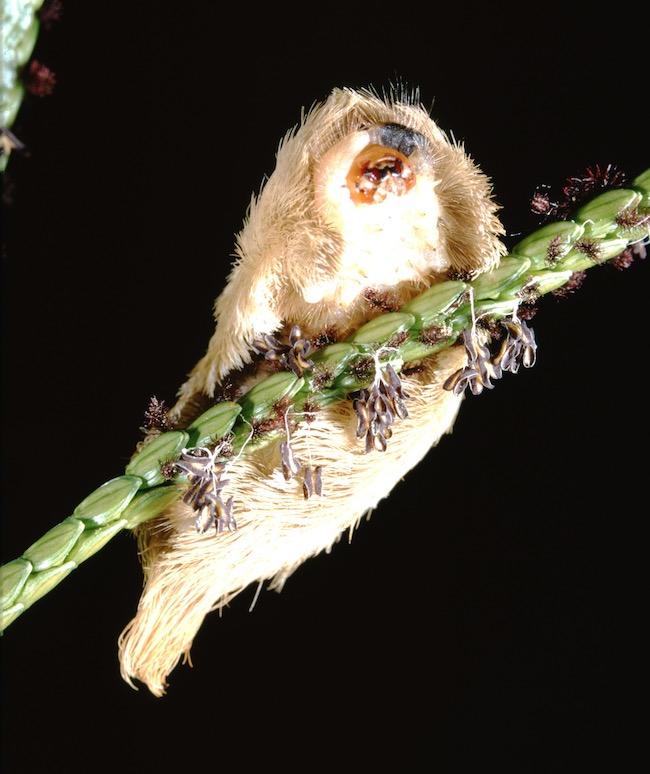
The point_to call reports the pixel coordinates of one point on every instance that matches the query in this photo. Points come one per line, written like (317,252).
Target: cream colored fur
(288,245)
(294,266)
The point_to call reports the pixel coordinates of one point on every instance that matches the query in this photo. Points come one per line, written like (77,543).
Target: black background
(488,612)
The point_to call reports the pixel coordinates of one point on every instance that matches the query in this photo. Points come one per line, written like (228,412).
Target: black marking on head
(400,138)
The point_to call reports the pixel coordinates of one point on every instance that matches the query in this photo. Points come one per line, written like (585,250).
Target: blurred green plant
(19,26)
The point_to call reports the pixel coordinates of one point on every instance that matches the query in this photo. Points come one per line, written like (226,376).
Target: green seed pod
(330,361)
(259,400)
(39,583)
(26,43)
(632,233)
(536,246)
(108,501)
(416,350)
(12,579)
(241,433)
(94,539)
(380,330)
(599,215)
(577,261)
(335,356)
(460,318)
(146,463)
(9,615)
(55,545)
(610,248)
(498,308)
(548,281)
(493,283)
(435,301)
(213,424)
(348,382)
(19,32)
(9,107)
(329,396)
(146,505)
(606,249)
(642,183)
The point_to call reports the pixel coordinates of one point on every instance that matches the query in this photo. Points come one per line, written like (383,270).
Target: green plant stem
(543,262)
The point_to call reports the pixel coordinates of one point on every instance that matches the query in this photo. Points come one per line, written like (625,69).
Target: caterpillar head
(367,193)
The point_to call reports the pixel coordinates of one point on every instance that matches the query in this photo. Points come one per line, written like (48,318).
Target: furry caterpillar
(369,204)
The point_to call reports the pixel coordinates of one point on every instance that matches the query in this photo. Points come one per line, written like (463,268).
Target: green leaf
(435,301)
(535,246)
(382,328)
(599,215)
(146,505)
(13,576)
(493,283)
(39,583)
(107,502)
(55,544)
(165,447)
(94,539)
(213,424)
(265,394)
